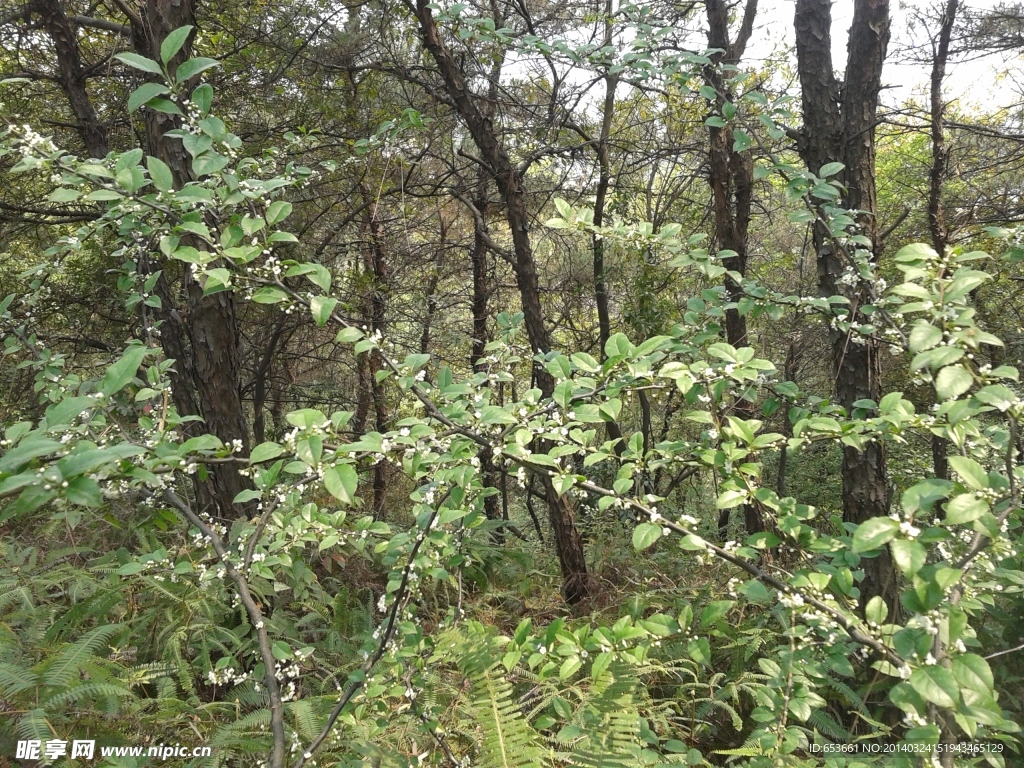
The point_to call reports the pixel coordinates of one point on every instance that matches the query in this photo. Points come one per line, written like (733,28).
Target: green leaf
(322,307)
(924,494)
(304,418)
(145,93)
(569,667)
(121,373)
(269,295)
(160,173)
(973,672)
(873,533)
(29,449)
(278,211)
(585,362)
(265,452)
(699,650)
(965,508)
(281,650)
(67,410)
(610,409)
(189,69)
(715,611)
(104,195)
(202,97)
(341,482)
(645,534)
(876,610)
(909,556)
(164,105)
(970,471)
(730,499)
(94,169)
(563,393)
(63,195)
(328,541)
(348,335)
(209,163)
(924,336)
(140,62)
(755,591)
(936,684)
(319,276)
(952,381)
(800,708)
(85,492)
(692,543)
(618,346)
(562,483)
(601,663)
(173,43)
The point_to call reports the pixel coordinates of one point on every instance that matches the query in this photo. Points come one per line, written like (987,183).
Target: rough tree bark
(839,126)
(203,334)
(604,181)
(481,262)
(375,306)
(568,542)
(71,74)
(200,333)
(731,178)
(936,178)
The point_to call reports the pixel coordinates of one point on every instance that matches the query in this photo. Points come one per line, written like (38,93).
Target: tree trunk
(209,328)
(936,178)
(604,180)
(376,264)
(430,289)
(569,544)
(731,178)
(202,335)
(481,290)
(71,74)
(839,125)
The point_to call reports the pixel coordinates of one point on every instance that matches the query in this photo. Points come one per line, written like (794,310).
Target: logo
(36,749)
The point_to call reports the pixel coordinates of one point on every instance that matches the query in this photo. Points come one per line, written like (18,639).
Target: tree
(508,179)
(839,120)
(359,598)
(731,177)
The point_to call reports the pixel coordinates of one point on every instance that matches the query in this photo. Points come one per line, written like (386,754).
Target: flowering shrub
(117,437)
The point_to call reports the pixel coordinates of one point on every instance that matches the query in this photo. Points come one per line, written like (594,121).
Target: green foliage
(243,627)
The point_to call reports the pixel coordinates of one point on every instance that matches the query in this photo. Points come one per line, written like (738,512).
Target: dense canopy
(511,383)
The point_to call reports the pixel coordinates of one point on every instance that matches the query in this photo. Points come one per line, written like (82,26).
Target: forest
(511,383)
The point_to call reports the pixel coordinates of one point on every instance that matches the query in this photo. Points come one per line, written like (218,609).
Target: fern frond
(507,738)
(86,691)
(15,679)
(12,592)
(94,607)
(851,696)
(34,725)
(826,725)
(611,722)
(306,722)
(70,660)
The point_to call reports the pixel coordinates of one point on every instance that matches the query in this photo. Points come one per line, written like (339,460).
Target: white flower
(910,530)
